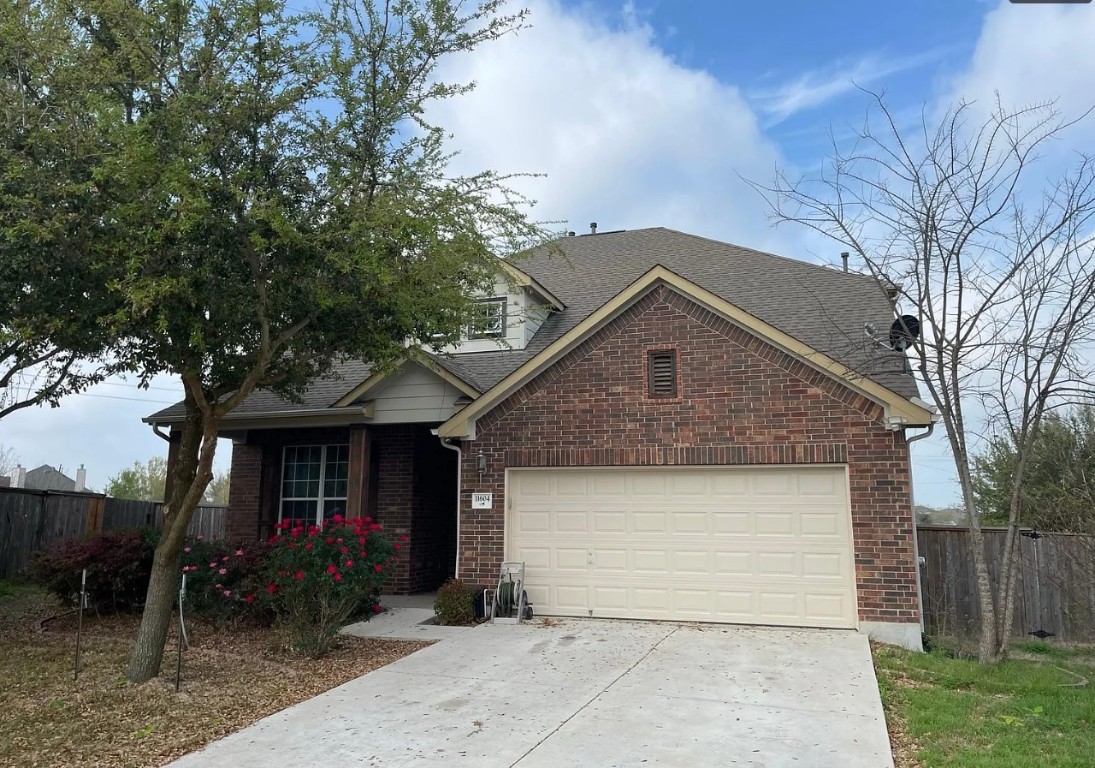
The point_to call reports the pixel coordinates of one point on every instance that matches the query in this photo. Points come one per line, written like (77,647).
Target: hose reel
(509,602)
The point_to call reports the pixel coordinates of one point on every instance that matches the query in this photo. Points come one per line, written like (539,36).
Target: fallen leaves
(230,679)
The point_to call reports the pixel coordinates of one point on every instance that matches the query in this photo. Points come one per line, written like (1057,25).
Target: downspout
(459,471)
(912,509)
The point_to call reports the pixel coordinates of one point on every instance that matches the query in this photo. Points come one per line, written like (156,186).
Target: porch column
(358,479)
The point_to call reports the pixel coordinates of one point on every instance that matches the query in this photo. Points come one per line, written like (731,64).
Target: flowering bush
(320,575)
(118,565)
(225,583)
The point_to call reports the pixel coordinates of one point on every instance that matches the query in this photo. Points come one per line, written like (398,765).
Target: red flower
(338,540)
(337,577)
(292,545)
(403,538)
(377,608)
(332,569)
(395,547)
(360,539)
(250,598)
(299,576)
(349,563)
(308,546)
(336,519)
(368,519)
(271,588)
(378,567)
(330,539)
(345,550)
(313,530)
(361,553)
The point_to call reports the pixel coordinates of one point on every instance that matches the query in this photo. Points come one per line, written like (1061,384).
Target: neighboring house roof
(823,308)
(46,478)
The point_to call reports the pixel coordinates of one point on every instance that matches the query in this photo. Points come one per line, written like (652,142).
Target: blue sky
(653,112)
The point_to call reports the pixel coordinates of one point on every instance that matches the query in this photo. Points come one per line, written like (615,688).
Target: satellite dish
(904,331)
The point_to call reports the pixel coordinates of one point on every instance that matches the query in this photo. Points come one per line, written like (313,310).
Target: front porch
(398,474)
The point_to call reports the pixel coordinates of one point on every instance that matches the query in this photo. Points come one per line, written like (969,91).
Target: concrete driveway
(590,693)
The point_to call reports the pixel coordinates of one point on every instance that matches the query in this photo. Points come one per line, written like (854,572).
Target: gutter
(912,511)
(346,415)
(459,472)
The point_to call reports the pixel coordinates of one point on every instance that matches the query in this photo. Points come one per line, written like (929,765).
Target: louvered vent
(663,373)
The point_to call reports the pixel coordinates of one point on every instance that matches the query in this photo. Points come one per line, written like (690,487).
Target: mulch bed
(231,678)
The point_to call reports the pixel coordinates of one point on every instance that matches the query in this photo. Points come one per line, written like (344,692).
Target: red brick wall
(394,448)
(244,493)
(742,401)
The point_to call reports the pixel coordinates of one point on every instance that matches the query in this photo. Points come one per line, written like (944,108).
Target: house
(47,478)
(659,425)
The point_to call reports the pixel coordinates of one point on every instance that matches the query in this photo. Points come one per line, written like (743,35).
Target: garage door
(735,545)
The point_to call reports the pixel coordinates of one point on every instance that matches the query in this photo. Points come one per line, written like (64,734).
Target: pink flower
(378,567)
(222,571)
(199,538)
(250,598)
(213,564)
(330,539)
(377,608)
(336,519)
(345,550)
(271,588)
(224,558)
(218,586)
(299,576)
(227,593)
(332,569)
(338,540)
(308,546)
(239,552)
(403,538)
(395,547)
(349,563)
(337,577)
(186,549)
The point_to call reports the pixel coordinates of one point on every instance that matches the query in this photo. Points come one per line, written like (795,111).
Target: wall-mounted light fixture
(481,462)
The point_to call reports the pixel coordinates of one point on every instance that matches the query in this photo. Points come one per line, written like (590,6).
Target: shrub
(453,604)
(225,583)
(321,575)
(118,565)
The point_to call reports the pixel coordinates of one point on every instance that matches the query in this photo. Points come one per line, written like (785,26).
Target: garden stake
(80,621)
(182,635)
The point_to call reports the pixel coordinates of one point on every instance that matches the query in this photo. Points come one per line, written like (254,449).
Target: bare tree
(8,460)
(997,274)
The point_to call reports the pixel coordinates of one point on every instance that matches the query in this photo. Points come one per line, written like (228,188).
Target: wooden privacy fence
(1055,592)
(31,521)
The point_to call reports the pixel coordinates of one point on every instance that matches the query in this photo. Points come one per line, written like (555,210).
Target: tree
(50,293)
(141,481)
(217,492)
(1059,490)
(999,276)
(275,200)
(9,460)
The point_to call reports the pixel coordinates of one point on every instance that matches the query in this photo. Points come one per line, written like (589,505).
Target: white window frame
(501,301)
(320,499)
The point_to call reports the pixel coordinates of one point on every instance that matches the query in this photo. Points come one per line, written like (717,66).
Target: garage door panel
(743,545)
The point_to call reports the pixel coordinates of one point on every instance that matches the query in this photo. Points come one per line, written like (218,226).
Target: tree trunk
(144,664)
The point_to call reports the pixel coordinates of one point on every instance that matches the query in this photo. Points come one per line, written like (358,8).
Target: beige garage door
(735,545)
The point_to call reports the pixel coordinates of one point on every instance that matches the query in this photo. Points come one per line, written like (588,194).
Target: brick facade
(413,493)
(742,401)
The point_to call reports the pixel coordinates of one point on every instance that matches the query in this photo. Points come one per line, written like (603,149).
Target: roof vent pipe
(592,227)
(844,258)
(570,234)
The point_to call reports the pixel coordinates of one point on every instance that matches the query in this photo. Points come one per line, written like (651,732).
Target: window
(488,319)
(313,482)
(661,373)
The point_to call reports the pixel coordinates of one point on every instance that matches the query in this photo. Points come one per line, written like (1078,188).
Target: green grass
(14,588)
(1018,714)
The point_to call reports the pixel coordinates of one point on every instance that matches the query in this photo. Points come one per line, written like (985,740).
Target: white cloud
(626,136)
(819,86)
(1031,54)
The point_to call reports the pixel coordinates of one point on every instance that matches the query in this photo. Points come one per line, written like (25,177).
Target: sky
(657,113)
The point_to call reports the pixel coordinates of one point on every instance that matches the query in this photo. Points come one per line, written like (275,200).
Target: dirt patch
(230,679)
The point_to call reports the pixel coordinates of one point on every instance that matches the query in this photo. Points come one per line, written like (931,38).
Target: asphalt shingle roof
(822,307)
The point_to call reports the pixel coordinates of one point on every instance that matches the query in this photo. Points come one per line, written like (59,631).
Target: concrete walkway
(590,693)
(404,618)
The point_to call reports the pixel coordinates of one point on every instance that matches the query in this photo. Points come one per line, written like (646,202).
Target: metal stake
(80,621)
(182,636)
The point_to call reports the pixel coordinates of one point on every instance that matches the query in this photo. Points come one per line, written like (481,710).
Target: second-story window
(488,319)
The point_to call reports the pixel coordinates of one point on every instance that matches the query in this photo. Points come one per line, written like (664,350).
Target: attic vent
(662,373)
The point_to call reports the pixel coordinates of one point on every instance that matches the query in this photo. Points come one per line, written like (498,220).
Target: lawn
(1037,709)
(230,679)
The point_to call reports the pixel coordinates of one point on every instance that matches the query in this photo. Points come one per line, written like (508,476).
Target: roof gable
(896,406)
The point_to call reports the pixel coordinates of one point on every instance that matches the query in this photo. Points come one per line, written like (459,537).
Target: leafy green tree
(273,199)
(1058,492)
(141,481)
(51,293)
